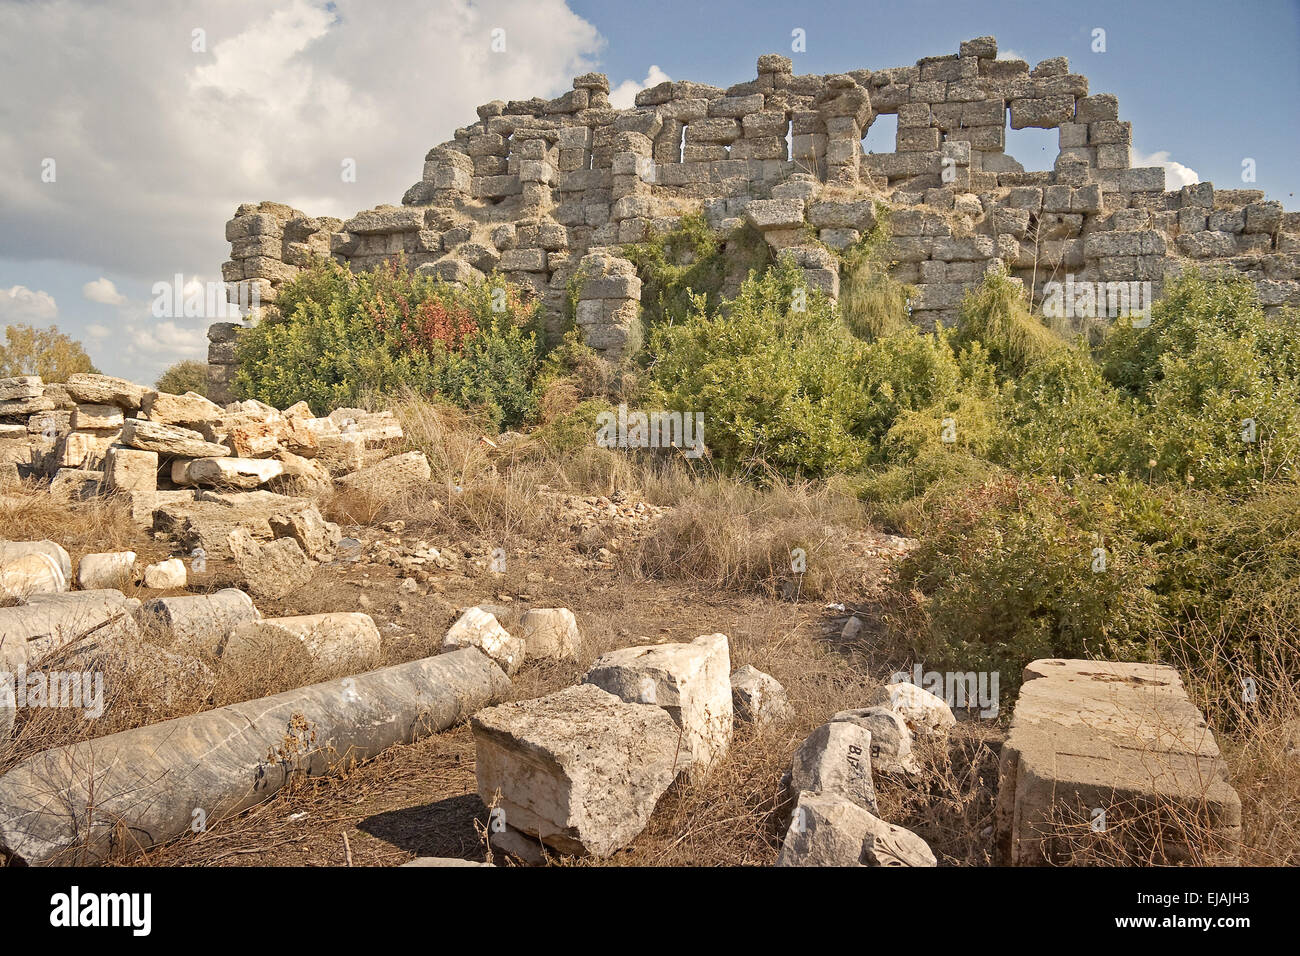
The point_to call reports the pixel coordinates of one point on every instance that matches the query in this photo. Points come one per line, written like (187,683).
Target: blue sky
(157,142)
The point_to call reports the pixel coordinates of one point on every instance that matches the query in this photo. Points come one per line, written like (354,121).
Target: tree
(48,353)
(187,375)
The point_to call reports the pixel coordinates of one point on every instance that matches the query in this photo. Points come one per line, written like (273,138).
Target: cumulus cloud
(623,96)
(1176,174)
(103,291)
(162,118)
(157,142)
(21,304)
(1012,55)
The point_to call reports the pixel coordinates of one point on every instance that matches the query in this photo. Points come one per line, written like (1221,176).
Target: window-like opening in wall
(882,135)
(681,146)
(1034,149)
(789,140)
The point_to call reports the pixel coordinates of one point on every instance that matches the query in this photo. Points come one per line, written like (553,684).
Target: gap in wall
(1035,149)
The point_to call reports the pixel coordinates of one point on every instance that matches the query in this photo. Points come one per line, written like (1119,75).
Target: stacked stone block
(533,186)
(609,303)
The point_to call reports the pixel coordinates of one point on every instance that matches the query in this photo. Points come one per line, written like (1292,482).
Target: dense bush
(343,337)
(185,376)
(1017,569)
(777,376)
(692,261)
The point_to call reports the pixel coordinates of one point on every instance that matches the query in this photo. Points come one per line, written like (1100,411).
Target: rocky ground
(186,551)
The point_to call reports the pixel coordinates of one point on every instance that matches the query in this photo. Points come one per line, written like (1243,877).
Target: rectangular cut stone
(1115,742)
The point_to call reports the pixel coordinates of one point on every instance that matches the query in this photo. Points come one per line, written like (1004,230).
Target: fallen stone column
(50,621)
(153,783)
(29,574)
(10,550)
(198,623)
(336,640)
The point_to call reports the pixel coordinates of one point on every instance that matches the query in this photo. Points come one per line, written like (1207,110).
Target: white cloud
(1012,55)
(1176,174)
(21,304)
(623,96)
(152,160)
(103,291)
(96,331)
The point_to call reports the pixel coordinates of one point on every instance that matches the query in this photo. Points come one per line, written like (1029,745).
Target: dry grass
(82,527)
(734,536)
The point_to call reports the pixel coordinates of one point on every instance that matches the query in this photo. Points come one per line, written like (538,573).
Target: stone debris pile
(97,434)
(835,820)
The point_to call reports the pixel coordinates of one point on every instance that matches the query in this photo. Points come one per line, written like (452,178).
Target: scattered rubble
(550,632)
(478,628)
(830,830)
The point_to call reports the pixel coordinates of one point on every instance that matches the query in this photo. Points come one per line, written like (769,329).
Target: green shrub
(692,261)
(1216,382)
(343,337)
(775,383)
(874,304)
(1010,571)
(184,376)
(995,314)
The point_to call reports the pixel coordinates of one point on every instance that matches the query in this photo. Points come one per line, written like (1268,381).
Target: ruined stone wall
(538,189)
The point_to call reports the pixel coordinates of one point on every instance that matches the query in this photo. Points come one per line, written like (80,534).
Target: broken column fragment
(151,780)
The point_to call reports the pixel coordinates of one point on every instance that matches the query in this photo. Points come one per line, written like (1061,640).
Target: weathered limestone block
(197,624)
(84,449)
(479,628)
(828,830)
(581,770)
(835,758)
(271,570)
(97,418)
(244,473)
(1118,743)
(130,469)
(692,682)
(145,435)
(109,569)
(188,409)
(860,215)
(90,389)
(550,633)
(317,537)
(891,740)
(924,713)
(165,574)
(1045,112)
(758,698)
(985,48)
(392,475)
(35,572)
(21,388)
